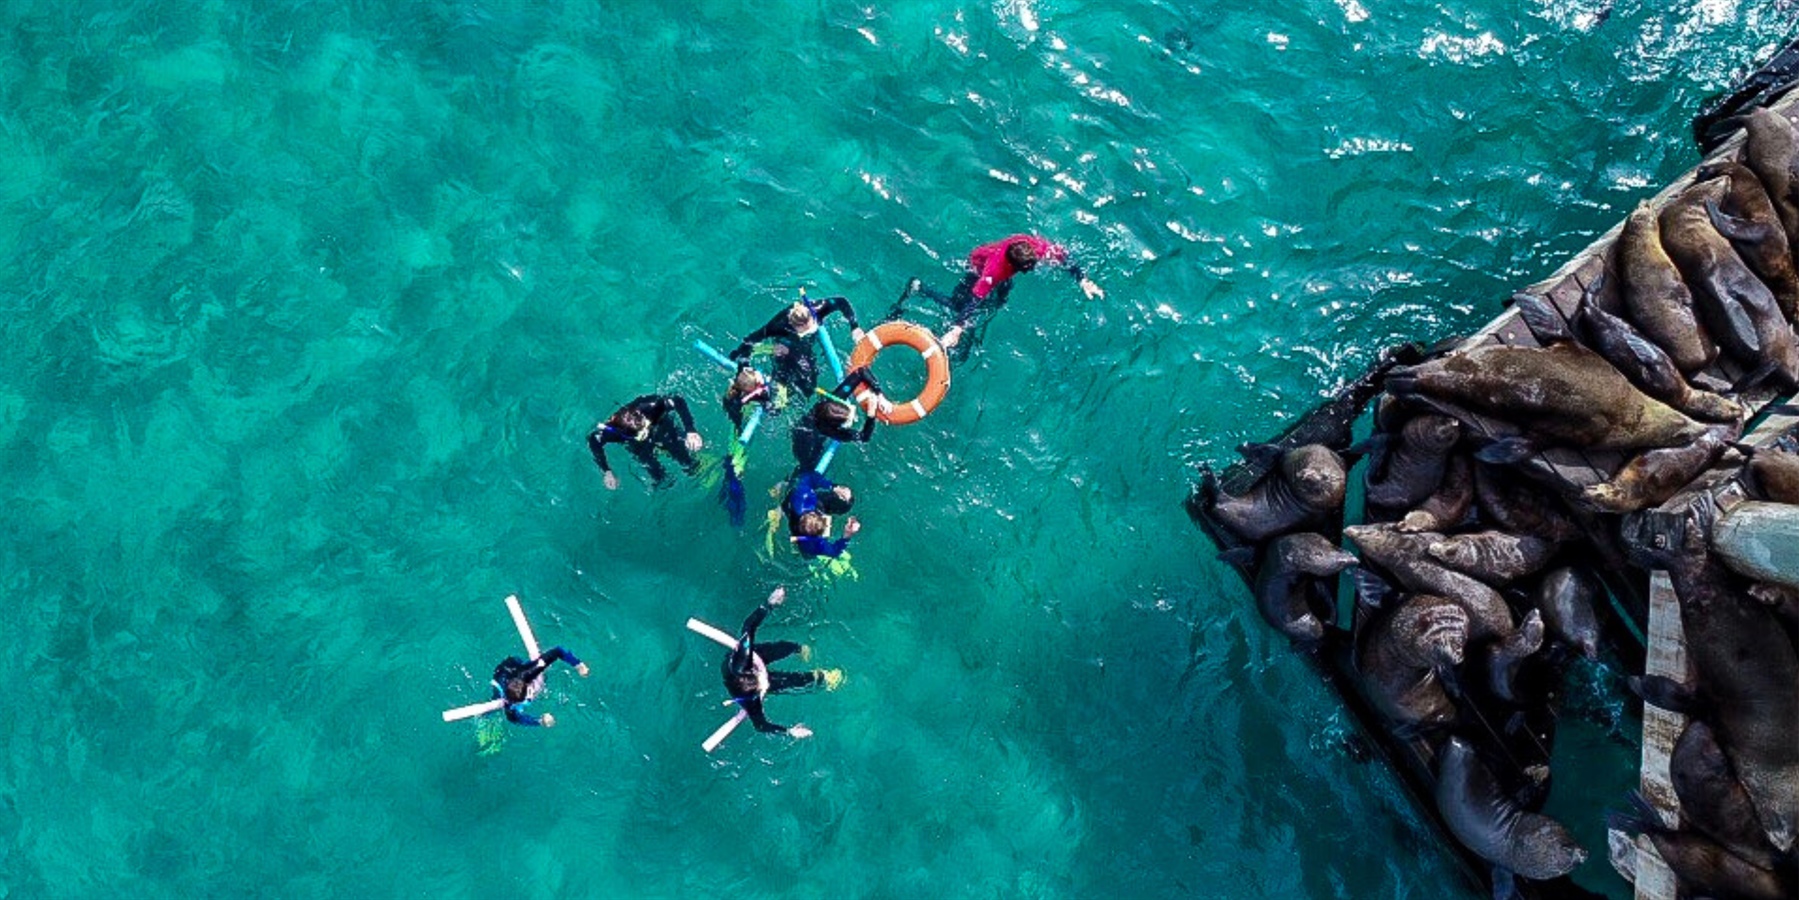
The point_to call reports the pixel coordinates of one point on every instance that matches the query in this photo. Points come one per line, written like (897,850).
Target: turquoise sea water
(310,305)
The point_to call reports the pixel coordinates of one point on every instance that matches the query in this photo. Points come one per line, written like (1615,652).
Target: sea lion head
(1546,850)
(1433,432)
(1437,630)
(1316,475)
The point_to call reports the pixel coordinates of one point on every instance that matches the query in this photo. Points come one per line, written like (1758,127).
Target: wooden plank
(1661,728)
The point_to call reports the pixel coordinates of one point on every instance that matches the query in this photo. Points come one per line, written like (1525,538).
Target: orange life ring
(920,338)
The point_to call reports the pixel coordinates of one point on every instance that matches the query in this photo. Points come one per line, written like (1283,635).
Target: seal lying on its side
(1655,298)
(1564,393)
(1774,475)
(1653,476)
(1299,489)
(1488,821)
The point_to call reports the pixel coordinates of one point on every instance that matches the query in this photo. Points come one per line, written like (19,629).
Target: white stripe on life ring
(918,407)
(873,338)
(930,351)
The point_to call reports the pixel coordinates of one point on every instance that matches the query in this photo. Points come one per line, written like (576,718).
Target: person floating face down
(517,682)
(644,426)
(748,678)
(987,283)
(809,506)
(792,330)
(747,387)
(833,416)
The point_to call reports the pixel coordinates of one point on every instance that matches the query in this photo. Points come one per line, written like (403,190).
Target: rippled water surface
(309,307)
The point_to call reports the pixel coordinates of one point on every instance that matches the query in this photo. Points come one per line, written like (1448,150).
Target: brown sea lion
(1712,799)
(1413,461)
(1485,818)
(1565,598)
(1404,556)
(1653,476)
(1774,475)
(1284,582)
(1705,868)
(1495,557)
(1448,506)
(1747,673)
(1746,216)
(1713,271)
(1655,298)
(1564,394)
(1637,358)
(1406,655)
(1307,483)
(1771,151)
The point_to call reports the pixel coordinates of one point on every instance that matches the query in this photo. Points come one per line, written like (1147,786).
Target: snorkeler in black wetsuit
(643,426)
(749,679)
(517,682)
(830,418)
(792,330)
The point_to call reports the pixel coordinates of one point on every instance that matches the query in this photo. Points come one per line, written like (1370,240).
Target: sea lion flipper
(1506,451)
(1664,692)
(1371,590)
(1505,884)
(1261,455)
(1542,318)
(1737,228)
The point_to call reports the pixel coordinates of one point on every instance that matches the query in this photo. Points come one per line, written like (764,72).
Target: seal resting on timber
(1405,557)
(1654,296)
(1448,506)
(1565,598)
(1305,483)
(1647,366)
(1746,216)
(1564,393)
(1412,465)
(1292,564)
(1771,151)
(1741,311)
(1653,476)
(1407,654)
(1488,821)
(1746,670)
(1774,475)
(1495,557)
(1712,799)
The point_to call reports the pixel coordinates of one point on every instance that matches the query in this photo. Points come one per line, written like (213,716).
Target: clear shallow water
(310,306)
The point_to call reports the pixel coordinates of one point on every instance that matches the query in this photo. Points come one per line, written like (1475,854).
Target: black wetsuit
(740,671)
(814,431)
(664,432)
(515,669)
(795,368)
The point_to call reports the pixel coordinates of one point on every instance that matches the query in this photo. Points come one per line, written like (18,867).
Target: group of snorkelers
(664,423)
